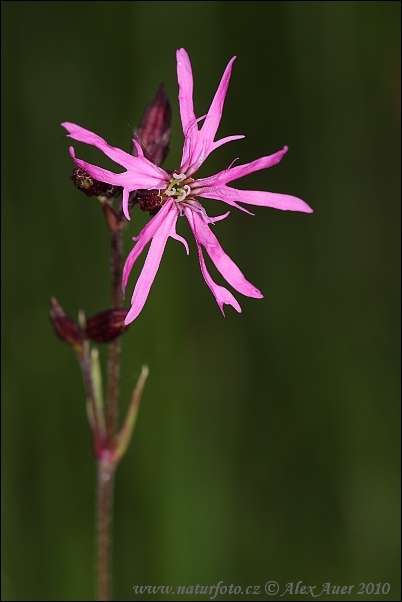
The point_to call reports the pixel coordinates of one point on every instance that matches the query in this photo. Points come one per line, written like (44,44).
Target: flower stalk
(104,527)
(105,468)
(153,134)
(115,345)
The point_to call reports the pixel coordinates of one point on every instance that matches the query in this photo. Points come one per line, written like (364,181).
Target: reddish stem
(104,524)
(115,345)
(106,469)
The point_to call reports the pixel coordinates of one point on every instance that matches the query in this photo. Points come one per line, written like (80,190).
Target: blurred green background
(267,446)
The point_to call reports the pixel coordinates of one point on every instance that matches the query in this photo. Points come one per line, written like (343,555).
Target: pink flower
(174,193)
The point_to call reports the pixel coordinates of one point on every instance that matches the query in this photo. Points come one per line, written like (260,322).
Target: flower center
(177,189)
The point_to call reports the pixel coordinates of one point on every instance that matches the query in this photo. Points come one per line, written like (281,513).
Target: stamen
(184,192)
(182,195)
(179,176)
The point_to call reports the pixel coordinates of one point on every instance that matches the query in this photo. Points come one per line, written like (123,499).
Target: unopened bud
(107,325)
(153,134)
(65,327)
(149,200)
(83,181)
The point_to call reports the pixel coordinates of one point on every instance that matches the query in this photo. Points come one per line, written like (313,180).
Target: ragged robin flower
(169,195)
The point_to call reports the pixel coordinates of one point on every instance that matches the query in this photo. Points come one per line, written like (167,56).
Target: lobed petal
(140,173)
(198,144)
(151,265)
(143,239)
(127,179)
(138,166)
(98,173)
(214,115)
(159,229)
(80,134)
(216,193)
(221,294)
(229,270)
(214,187)
(185,80)
(259,198)
(223,141)
(239,171)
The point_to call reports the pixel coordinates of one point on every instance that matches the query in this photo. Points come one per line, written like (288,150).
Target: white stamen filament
(184,192)
(179,176)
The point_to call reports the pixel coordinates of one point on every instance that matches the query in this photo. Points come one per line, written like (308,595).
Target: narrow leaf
(124,435)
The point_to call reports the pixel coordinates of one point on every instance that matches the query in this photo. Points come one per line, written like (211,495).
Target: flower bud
(149,200)
(65,327)
(153,135)
(83,181)
(107,325)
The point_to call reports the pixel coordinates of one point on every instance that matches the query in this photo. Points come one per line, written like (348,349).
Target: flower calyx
(103,327)
(106,325)
(83,181)
(65,328)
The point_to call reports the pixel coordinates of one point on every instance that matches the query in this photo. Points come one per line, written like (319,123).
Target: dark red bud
(107,325)
(153,133)
(83,181)
(149,200)
(65,327)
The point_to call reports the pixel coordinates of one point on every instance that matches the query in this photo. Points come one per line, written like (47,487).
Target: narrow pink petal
(82,135)
(140,152)
(215,187)
(199,144)
(220,191)
(143,239)
(260,198)
(183,241)
(138,165)
(124,202)
(221,294)
(185,79)
(214,115)
(98,173)
(239,171)
(223,141)
(151,264)
(128,179)
(219,218)
(229,270)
